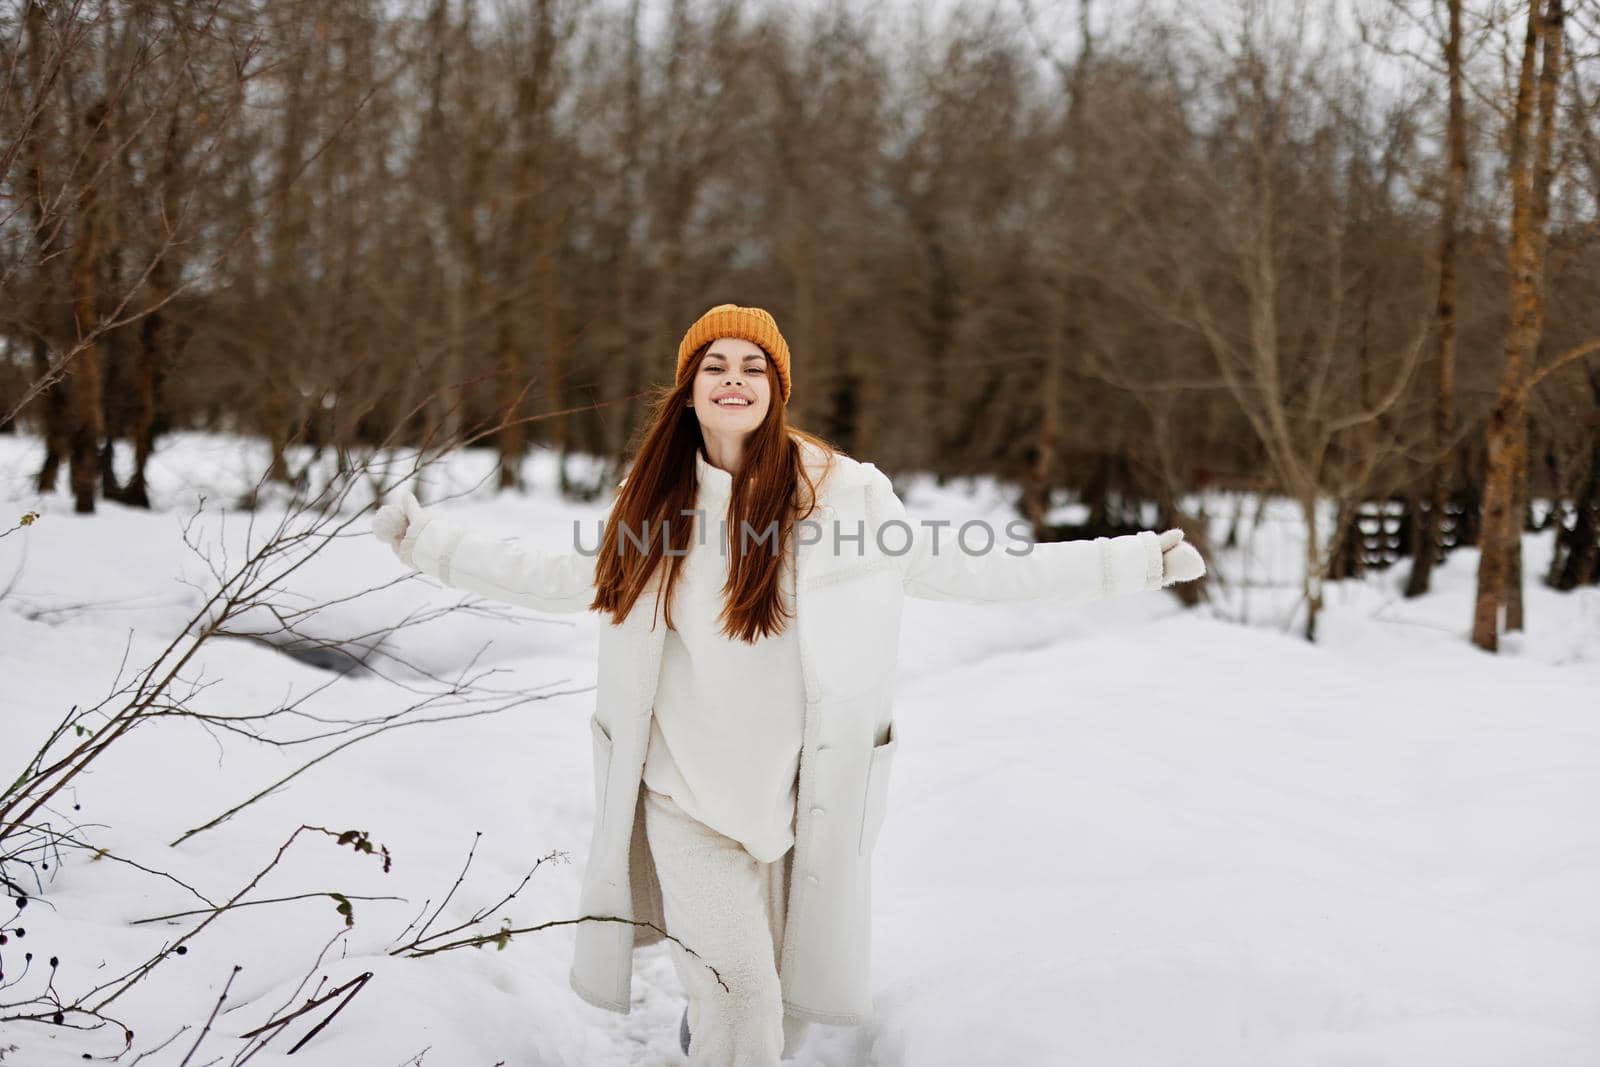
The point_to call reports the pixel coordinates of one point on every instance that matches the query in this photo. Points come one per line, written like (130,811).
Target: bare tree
(1426,547)
(1499,596)
(1271,275)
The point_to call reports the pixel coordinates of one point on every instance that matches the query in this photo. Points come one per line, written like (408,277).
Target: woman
(742,748)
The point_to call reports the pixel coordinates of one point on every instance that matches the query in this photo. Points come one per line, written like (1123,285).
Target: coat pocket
(875,805)
(602,766)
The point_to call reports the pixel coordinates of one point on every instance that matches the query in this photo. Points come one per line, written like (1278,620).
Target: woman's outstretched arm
(505,570)
(935,566)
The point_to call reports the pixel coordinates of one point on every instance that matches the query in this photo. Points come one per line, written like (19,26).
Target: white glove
(1180,561)
(393,521)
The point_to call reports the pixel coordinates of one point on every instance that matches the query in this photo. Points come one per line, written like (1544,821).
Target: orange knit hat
(731,320)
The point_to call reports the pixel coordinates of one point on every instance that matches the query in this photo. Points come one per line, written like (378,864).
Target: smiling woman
(742,763)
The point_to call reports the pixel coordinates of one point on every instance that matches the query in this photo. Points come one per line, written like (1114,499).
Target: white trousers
(727,906)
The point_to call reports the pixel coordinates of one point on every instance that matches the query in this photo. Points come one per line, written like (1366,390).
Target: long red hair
(660,488)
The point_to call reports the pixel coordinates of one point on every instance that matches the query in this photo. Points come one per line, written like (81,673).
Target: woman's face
(733,370)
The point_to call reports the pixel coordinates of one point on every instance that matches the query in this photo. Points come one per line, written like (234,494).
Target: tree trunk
(1040,477)
(1518,518)
(1346,556)
(278,393)
(86,415)
(53,398)
(1577,556)
(1312,582)
(156,331)
(1543,178)
(1499,562)
(57,430)
(1426,547)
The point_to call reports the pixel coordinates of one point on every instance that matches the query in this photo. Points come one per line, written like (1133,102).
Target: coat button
(811,878)
(816,811)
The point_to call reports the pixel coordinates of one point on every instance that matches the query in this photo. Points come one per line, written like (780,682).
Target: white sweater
(725,735)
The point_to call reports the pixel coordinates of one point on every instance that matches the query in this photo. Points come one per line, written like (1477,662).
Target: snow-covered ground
(1119,834)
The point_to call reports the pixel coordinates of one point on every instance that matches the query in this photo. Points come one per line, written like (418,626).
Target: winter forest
(1317,281)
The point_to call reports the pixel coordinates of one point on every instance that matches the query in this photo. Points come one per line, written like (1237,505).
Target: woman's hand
(393,521)
(1180,561)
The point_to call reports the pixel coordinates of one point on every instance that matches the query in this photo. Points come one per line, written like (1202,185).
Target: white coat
(848,598)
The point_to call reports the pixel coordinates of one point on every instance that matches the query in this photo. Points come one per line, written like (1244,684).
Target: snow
(1119,833)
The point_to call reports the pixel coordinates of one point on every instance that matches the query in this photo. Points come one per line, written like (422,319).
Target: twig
(501,937)
(212,1017)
